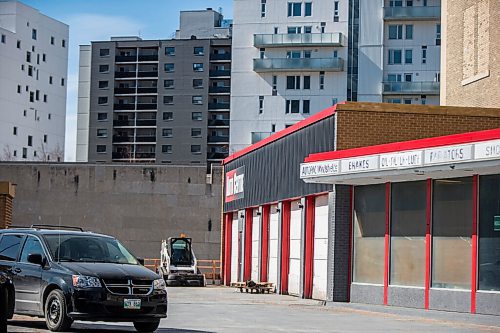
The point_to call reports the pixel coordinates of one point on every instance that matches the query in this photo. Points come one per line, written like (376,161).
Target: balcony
(147,106)
(219,90)
(218,138)
(131,155)
(216,156)
(414,13)
(145,138)
(218,122)
(122,123)
(117,138)
(279,40)
(128,58)
(130,106)
(147,90)
(418,88)
(298,65)
(148,57)
(148,74)
(220,73)
(132,122)
(121,91)
(125,74)
(224,56)
(258,136)
(218,106)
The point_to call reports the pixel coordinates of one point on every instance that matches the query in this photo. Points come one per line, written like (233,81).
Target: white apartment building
(33,79)
(294,58)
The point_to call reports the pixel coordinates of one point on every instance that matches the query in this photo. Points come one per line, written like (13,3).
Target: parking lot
(214,309)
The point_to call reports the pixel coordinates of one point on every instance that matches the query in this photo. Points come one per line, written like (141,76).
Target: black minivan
(66,274)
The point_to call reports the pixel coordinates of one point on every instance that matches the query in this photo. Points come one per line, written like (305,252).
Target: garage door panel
(273,248)
(255,246)
(321,249)
(295,249)
(294,278)
(234,251)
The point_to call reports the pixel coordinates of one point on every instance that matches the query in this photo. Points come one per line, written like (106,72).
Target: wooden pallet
(257,287)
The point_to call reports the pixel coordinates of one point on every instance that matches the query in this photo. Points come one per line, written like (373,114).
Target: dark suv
(70,274)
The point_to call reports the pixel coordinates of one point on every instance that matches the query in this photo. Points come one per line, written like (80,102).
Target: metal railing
(218,138)
(211,269)
(309,39)
(218,106)
(219,73)
(431,88)
(219,90)
(302,64)
(412,13)
(224,56)
(218,122)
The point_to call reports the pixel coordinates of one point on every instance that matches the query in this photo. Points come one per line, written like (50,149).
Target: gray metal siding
(272,172)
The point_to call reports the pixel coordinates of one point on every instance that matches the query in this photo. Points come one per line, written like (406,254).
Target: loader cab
(180,252)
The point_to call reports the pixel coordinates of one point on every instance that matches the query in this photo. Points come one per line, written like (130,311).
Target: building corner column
(7,194)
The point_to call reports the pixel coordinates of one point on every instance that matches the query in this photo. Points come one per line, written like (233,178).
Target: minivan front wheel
(146,326)
(56,316)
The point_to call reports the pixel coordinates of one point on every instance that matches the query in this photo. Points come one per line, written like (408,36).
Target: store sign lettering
(319,169)
(401,160)
(235,180)
(488,150)
(359,164)
(448,154)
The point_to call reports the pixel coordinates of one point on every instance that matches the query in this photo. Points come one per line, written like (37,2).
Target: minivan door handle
(17,270)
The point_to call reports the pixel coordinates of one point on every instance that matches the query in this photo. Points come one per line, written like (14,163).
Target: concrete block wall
(138,204)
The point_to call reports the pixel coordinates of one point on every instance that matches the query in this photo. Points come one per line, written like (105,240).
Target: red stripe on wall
(351,217)
(309,247)
(285,245)
(266,210)
(475,211)
(227,248)
(387,221)
(247,270)
(428,218)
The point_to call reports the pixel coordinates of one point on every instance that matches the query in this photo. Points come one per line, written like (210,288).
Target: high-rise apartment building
(157,101)
(294,58)
(33,79)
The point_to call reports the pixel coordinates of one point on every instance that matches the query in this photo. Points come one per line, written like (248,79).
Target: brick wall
(5,211)
(471,53)
(360,126)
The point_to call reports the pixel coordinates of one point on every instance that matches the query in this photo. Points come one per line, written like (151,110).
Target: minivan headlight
(82,281)
(159,284)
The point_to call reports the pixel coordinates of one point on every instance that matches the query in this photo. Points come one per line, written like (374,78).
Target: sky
(92,20)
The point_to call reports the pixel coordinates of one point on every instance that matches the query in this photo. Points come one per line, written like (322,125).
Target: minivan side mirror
(141,261)
(35,258)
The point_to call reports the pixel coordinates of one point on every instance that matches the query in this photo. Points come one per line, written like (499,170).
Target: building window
(104,52)
(408,56)
(308,9)
(396,3)
(292,106)
(335,11)
(102,100)
(196,132)
(307,82)
(37,95)
(102,116)
(49,116)
(32,97)
(396,31)
(103,68)
(293,54)
(103,84)
(275,85)
(14,131)
(408,229)
(168,116)
(306,106)
(262,53)
(196,149)
(45,138)
(30,70)
(198,50)
(334,101)
(197,83)
(262,8)
(438,34)
(52,40)
(424,54)
(63,43)
(102,133)
(170,51)
(168,99)
(166,149)
(30,141)
(261,104)
(451,233)
(196,116)
(18,44)
(409,31)
(197,100)
(489,232)
(25,152)
(407,101)
(168,84)
(50,79)
(294,30)
(25,113)
(294,8)
(408,77)
(167,132)
(33,34)
(18,89)
(293,82)
(307,54)
(4,39)
(369,234)
(273,128)
(321,80)
(395,57)
(28,56)
(198,67)
(169,67)
(101,149)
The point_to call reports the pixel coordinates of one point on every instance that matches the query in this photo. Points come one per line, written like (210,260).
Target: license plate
(134,304)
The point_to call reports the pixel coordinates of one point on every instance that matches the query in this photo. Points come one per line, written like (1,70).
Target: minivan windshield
(85,248)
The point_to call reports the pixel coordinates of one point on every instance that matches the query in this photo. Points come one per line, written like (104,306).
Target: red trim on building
(386,254)
(264,259)
(247,270)
(281,134)
(309,247)
(227,248)
(454,139)
(285,246)
(475,210)
(428,218)
(351,217)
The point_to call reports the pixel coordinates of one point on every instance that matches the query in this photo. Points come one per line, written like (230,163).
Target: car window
(9,247)
(31,246)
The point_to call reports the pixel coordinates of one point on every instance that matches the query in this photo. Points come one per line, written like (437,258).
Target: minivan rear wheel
(56,316)
(146,326)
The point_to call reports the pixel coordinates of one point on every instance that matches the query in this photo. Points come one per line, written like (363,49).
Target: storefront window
(451,233)
(408,227)
(489,232)
(369,233)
